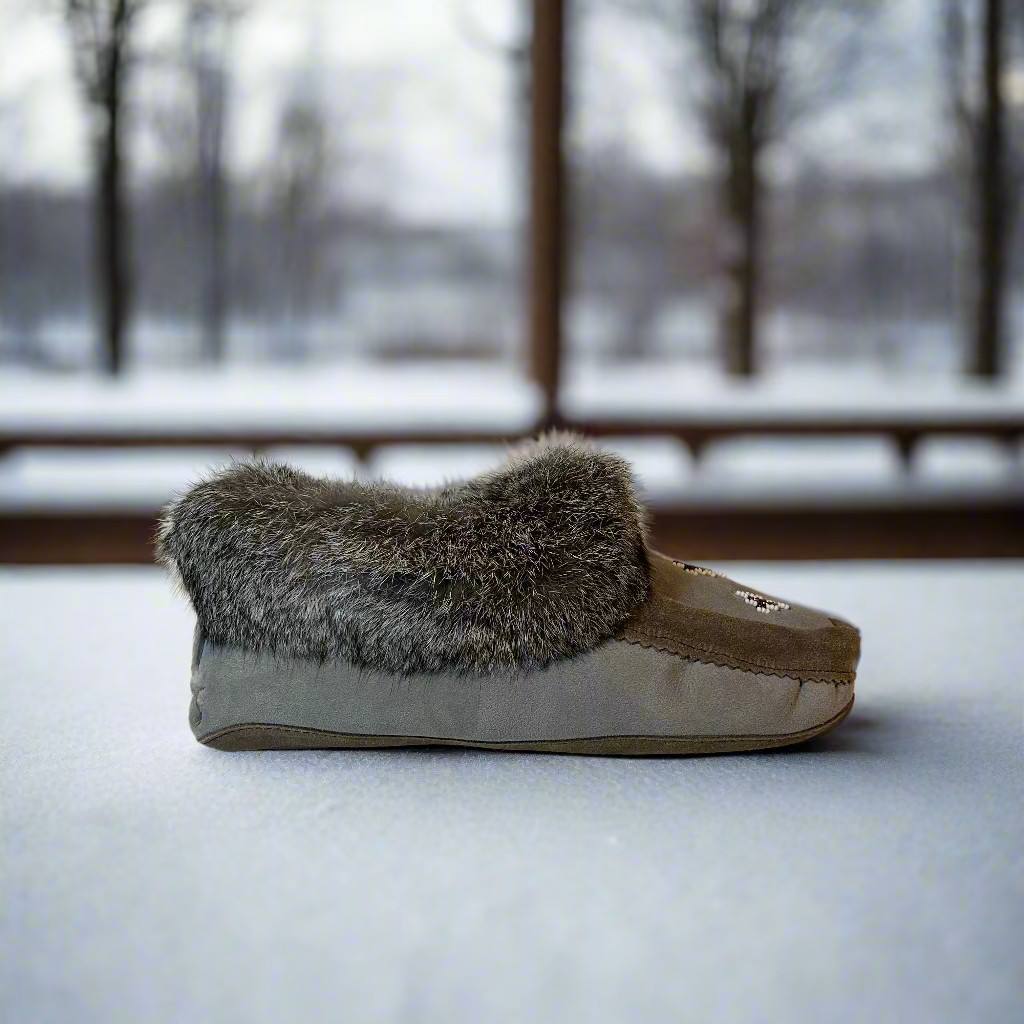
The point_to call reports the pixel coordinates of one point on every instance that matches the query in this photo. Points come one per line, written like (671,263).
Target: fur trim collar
(540,559)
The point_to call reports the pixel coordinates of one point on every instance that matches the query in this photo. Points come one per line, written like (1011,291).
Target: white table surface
(875,875)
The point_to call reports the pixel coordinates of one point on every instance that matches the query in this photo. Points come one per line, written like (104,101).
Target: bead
(762,604)
(696,570)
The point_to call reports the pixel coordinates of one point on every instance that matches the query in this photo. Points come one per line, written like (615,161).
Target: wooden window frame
(547,245)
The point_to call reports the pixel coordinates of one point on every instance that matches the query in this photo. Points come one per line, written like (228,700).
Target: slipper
(520,610)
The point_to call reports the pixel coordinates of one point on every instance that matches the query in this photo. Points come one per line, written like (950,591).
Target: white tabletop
(872,875)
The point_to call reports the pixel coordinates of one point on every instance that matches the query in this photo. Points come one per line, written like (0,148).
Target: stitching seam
(842,677)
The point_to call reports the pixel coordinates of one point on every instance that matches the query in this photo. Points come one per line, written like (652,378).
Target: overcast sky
(422,98)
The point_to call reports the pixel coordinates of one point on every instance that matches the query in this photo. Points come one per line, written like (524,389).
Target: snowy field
(813,368)
(874,874)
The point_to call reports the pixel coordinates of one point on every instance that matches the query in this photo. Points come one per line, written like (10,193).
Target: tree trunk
(742,260)
(211,96)
(214,278)
(111,225)
(637,324)
(986,355)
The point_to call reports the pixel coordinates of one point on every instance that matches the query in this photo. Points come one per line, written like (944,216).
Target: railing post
(547,242)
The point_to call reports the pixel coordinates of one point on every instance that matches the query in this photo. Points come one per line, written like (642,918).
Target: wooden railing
(981,528)
(978,524)
(696,434)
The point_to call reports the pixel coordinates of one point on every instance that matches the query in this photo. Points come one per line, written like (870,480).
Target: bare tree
(628,244)
(101,38)
(299,195)
(975,66)
(514,53)
(208,31)
(761,65)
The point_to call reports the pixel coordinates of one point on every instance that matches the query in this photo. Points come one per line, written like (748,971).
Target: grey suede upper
(617,689)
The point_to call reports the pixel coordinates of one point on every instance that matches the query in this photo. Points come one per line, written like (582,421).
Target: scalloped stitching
(728,661)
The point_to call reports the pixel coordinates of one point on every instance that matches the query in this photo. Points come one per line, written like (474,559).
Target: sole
(260,736)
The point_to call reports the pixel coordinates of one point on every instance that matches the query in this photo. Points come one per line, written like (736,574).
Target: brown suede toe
(703,615)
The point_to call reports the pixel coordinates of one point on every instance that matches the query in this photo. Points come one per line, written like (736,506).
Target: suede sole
(261,736)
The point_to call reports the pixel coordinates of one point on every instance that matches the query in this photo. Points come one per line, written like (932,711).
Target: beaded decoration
(696,570)
(762,604)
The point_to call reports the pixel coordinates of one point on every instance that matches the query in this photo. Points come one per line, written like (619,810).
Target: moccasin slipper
(520,610)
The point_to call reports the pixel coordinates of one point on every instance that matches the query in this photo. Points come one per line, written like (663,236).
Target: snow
(320,460)
(755,472)
(434,465)
(144,479)
(111,479)
(974,460)
(356,397)
(659,390)
(871,875)
(106,478)
(802,462)
(663,462)
(363,398)
(858,470)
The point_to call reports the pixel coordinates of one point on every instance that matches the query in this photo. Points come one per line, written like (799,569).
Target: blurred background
(771,250)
